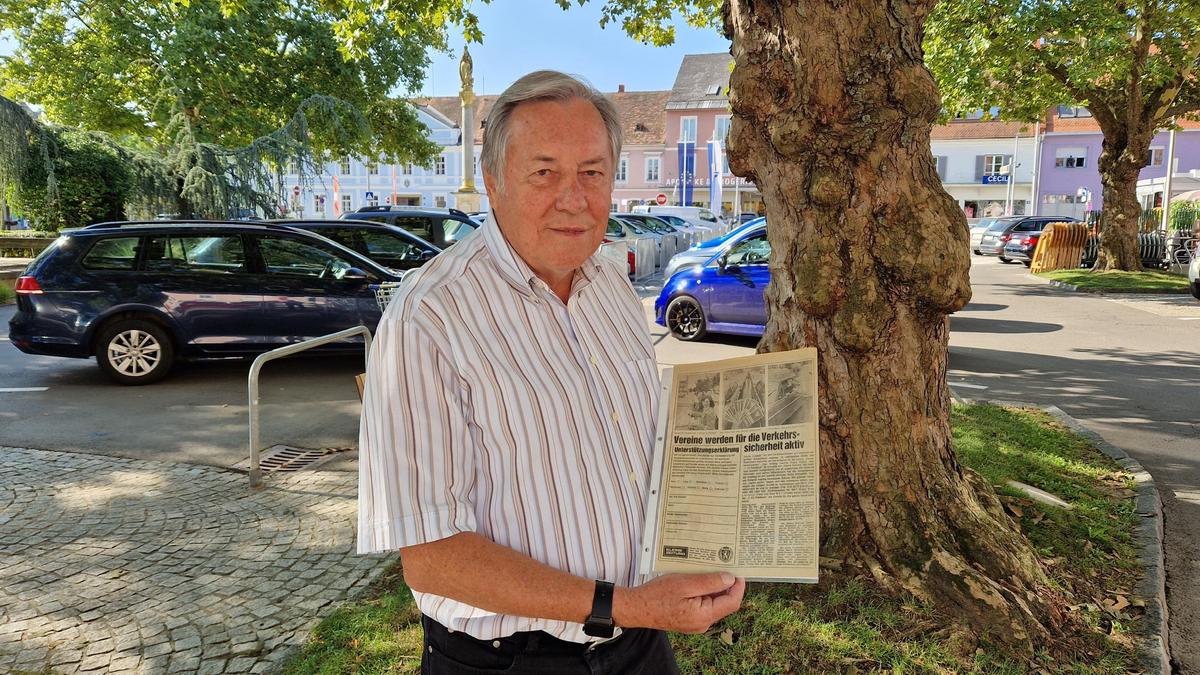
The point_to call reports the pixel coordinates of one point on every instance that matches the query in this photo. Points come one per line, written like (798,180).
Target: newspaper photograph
(735,479)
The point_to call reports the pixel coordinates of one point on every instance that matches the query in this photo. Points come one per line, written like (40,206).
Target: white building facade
(988,167)
(350,183)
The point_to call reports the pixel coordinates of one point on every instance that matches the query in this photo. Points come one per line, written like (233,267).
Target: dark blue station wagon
(139,296)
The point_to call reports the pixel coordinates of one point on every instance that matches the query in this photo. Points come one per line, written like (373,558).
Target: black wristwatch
(600,622)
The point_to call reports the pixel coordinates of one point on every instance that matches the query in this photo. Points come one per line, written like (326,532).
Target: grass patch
(845,625)
(1121,282)
(7,294)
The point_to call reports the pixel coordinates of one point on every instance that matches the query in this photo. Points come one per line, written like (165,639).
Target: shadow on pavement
(969,324)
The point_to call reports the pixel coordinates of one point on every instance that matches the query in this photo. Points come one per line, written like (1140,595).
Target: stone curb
(1154,647)
(1098,291)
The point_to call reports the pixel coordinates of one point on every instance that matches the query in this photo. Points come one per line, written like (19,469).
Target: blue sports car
(725,295)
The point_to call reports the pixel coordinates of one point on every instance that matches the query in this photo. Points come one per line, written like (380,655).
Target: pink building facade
(697,112)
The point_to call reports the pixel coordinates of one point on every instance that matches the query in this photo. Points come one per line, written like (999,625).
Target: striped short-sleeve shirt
(493,407)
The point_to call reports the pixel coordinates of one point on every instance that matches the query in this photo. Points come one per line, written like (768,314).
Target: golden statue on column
(467,198)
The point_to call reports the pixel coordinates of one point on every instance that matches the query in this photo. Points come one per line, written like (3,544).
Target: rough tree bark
(1122,157)
(833,109)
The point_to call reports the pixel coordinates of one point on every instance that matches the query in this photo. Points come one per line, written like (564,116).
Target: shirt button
(496,644)
(593,360)
(615,416)
(450,630)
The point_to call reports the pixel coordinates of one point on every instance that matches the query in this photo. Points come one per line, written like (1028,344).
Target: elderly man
(509,418)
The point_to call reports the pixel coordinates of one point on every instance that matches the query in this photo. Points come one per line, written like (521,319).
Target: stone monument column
(467,198)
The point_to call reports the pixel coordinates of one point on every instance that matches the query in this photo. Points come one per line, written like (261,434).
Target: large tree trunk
(1121,161)
(833,109)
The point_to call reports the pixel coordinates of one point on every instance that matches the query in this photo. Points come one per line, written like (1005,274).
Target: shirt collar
(517,272)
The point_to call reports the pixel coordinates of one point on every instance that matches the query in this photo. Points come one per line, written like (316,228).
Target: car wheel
(1005,260)
(1196,289)
(1027,263)
(977,252)
(134,351)
(685,318)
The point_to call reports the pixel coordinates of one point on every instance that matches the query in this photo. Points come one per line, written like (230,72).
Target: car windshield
(1001,224)
(985,223)
(632,225)
(649,224)
(661,223)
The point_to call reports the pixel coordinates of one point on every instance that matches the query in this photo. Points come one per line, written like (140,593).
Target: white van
(696,215)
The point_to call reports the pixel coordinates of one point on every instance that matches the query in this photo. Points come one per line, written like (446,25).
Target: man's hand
(683,603)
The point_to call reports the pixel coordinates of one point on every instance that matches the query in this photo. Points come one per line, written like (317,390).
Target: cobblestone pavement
(129,566)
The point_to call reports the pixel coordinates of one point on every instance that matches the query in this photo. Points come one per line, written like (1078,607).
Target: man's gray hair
(542,85)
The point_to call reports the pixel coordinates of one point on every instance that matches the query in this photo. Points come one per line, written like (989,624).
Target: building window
(372,167)
(992,164)
(653,168)
(687,129)
(1070,158)
(440,201)
(1073,111)
(622,170)
(1155,158)
(439,166)
(294,168)
(346,202)
(408,169)
(374,200)
(940,163)
(319,204)
(345,165)
(721,131)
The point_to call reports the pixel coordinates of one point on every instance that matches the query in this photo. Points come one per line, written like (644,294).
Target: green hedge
(93,184)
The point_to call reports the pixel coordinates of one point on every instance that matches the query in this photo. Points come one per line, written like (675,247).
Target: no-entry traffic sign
(661,199)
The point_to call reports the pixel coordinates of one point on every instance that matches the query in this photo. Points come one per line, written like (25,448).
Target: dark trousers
(637,651)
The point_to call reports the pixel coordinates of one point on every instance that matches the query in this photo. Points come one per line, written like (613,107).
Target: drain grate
(288,458)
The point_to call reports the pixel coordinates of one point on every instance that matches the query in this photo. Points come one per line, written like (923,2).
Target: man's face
(557,186)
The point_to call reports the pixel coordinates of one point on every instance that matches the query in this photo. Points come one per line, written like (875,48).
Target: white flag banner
(716,175)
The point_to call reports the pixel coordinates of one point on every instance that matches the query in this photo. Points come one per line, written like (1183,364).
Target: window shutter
(941,166)
(979,167)
(1012,170)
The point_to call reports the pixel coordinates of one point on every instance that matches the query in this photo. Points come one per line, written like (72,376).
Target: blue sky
(525,35)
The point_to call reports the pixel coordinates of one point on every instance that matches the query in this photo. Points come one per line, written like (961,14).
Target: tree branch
(1164,99)
(1141,49)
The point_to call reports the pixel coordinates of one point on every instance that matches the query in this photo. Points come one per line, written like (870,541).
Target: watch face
(598,627)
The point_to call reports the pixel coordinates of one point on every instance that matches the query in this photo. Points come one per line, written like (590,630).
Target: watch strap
(600,622)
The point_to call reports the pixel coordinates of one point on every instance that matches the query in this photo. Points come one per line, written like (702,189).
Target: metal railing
(256,367)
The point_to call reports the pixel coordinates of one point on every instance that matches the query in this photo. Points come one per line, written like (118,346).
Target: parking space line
(967,386)
(21,390)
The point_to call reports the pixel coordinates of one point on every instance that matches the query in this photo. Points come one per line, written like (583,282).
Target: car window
(454,229)
(418,225)
(293,258)
(999,225)
(707,215)
(342,235)
(217,254)
(1029,226)
(753,251)
(114,253)
(614,228)
(391,246)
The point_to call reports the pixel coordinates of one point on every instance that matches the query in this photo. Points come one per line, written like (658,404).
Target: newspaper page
(734,485)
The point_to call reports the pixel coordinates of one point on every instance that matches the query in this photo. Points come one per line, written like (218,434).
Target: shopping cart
(384,292)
